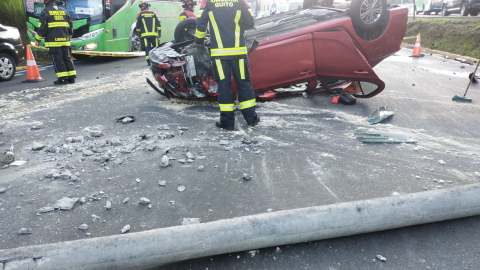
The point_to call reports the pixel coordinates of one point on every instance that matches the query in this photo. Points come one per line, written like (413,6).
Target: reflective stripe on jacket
(228,21)
(55,25)
(148,24)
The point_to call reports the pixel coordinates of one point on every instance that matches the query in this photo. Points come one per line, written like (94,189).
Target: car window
(368,88)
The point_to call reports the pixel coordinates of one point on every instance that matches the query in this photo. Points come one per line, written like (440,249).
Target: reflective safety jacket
(55,25)
(228,21)
(186,14)
(148,24)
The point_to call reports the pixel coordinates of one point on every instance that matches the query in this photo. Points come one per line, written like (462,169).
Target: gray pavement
(305,155)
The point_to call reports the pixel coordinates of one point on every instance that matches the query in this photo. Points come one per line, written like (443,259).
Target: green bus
(106,27)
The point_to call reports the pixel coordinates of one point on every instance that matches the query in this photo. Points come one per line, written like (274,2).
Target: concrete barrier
(173,244)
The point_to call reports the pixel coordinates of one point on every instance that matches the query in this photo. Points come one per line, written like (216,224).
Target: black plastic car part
(347,99)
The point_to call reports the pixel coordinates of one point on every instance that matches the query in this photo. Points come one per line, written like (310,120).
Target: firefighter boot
(60,82)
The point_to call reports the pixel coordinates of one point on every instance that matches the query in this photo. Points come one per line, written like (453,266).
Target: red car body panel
(329,49)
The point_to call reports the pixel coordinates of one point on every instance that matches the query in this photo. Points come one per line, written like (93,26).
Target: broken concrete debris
(65,203)
(126,200)
(95,133)
(144,201)
(95,217)
(253,252)
(3,189)
(373,136)
(165,162)
(36,146)
(190,156)
(126,228)
(23,231)
(83,227)
(441,162)
(125,119)
(200,168)
(45,209)
(189,221)
(181,188)
(162,183)
(108,205)
(381,258)
(379,115)
(88,153)
(247,177)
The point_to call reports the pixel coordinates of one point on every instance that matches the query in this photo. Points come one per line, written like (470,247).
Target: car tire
(473,13)
(185,30)
(7,67)
(436,12)
(444,11)
(136,42)
(360,8)
(463,9)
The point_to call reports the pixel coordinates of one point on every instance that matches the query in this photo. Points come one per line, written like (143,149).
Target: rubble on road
(65,203)
(379,115)
(144,201)
(165,162)
(83,227)
(373,136)
(126,228)
(36,146)
(23,231)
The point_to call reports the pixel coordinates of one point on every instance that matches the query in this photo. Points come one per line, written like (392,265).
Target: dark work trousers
(148,44)
(246,97)
(62,62)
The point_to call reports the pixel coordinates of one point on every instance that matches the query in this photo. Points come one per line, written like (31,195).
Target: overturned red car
(312,50)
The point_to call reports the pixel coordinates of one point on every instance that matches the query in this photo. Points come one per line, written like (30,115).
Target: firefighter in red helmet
(189,6)
(149,28)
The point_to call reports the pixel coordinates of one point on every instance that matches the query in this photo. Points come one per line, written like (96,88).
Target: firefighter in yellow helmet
(228,20)
(149,28)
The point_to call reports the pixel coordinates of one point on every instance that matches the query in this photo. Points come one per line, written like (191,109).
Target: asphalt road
(305,154)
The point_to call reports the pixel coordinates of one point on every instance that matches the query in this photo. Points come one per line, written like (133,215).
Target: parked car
(12,51)
(428,6)
(319,49)
(464,7)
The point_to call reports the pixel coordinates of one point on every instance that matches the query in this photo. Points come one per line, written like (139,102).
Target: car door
(282,63)
(337,57)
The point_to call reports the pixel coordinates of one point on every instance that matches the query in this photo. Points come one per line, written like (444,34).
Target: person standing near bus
(149,28)
(55,25)
(189,6)
(228,20)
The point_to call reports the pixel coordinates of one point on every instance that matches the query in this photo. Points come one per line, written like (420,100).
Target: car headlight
(90,35)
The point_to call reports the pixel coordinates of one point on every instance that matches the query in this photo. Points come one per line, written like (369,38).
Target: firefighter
(228,19)
(55,25)
(189,6)
(149,28)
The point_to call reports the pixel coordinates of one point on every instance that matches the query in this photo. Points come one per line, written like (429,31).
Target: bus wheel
(136,42)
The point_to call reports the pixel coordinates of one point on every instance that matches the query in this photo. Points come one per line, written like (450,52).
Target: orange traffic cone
(416,49)
(32,71)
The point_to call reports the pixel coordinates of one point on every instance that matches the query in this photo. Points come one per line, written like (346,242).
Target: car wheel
(185,30)
(436,12)
(367,14)
(444,11)
(424,11)
(7,67)
(463,9)
(473,13)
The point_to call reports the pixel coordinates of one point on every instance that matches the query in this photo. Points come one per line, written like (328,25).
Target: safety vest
(55,25)
(148,24)
(228,21)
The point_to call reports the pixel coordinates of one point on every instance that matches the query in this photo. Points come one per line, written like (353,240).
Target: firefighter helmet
(144,5)
(189,2)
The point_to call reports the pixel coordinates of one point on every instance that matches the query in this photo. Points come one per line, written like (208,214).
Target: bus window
(112,6)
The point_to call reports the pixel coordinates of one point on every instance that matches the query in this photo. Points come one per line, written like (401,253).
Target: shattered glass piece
(373,136)
(379,115)
(65,203)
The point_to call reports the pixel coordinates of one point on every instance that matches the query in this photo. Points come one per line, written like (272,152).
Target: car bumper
(20,51)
